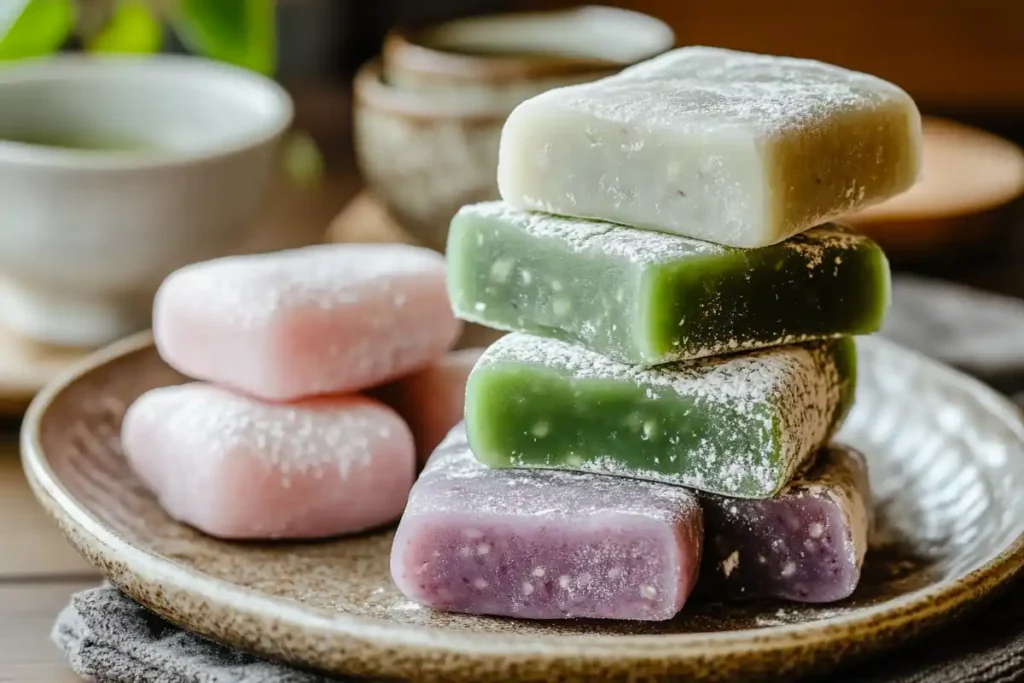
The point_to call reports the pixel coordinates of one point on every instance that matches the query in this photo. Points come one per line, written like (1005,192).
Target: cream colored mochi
(728,147)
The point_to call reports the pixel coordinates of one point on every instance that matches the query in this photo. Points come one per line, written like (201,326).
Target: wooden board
(39,571)
(27,613)
(960,53)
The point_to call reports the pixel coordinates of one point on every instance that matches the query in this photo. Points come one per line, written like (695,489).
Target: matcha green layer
(649,298)
(740,425)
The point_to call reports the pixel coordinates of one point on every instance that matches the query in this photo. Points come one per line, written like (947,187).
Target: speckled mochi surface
(739,425)
(648,298)
(321,319)
(807,544)
(239,468)
(730,147)
(542,544)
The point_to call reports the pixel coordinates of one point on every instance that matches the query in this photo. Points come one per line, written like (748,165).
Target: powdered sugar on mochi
(783,375)
(816,242)
(328,318)
(235,467)
(706,90)
(578,235)
(729,147)
(647,247)
(841,477)
(538,493)
(807,543)
(792,388)
(542,544)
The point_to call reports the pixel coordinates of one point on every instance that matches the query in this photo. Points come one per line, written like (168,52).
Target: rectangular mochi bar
(647,298)
(541,544)
(730,147)
(739,425)
(807,544)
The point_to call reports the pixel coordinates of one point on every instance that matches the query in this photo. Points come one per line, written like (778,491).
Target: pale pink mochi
(433,400)
(325,319)
(235,467)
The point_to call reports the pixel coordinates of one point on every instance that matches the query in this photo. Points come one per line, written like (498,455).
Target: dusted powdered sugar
(236,467)
(807,396)
(323,319)
(252,289)
(579,234)
(814,244)
(538,493)
(807,543)
(786,376)
(738,425)
(704,90)
(293,438)
(543,544)
(648,247)
(734,148)
(840,477)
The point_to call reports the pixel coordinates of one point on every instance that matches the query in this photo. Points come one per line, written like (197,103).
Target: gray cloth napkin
(111,639)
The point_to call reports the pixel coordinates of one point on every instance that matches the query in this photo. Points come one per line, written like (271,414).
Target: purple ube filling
(543,544)
(807,544)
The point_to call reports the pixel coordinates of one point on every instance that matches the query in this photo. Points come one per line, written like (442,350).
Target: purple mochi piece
(807,544)
(544,544)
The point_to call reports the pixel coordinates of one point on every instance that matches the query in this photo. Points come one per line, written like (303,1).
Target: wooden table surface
(38,571)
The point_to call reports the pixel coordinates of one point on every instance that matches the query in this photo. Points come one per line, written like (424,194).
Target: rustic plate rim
(928,604)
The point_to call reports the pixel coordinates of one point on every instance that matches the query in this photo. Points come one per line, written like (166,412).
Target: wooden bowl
(969,179)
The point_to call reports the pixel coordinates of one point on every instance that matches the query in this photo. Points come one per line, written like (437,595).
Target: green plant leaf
(132,28)
(34,28)
(303,164)
(241,32)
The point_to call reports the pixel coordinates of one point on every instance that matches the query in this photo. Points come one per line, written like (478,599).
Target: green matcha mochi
(740,425)
(649,298)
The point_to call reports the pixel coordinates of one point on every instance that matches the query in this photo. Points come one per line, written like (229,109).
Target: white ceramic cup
(182,152)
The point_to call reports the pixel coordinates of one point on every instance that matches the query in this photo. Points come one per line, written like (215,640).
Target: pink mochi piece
(544,544)
(237,468)
(325,319)
(432,400)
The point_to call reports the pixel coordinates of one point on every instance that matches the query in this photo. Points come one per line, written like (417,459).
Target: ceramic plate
(947,465)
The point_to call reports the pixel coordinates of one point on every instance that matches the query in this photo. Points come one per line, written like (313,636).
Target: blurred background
(397,109)
(194,129)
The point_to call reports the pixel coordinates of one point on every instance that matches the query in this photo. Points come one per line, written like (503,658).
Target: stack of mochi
(664,404)
(274,441)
